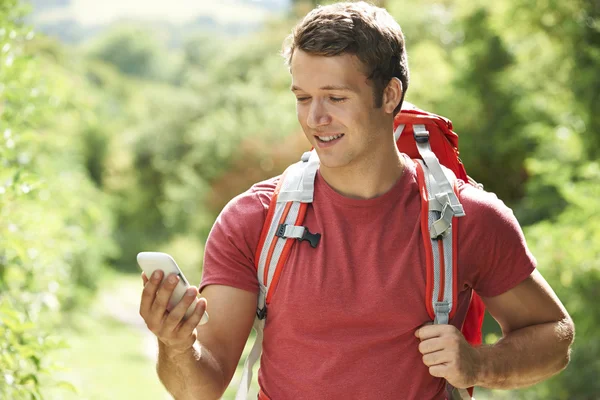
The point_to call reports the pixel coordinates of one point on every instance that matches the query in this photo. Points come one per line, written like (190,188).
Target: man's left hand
(448,355)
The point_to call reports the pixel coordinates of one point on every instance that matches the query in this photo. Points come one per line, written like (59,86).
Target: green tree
(135,51)
(492,138)
(54,223)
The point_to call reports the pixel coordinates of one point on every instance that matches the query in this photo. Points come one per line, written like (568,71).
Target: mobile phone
(150,261)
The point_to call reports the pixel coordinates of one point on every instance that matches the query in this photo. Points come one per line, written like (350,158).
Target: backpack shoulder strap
(440,208)
(284,218)
(439,236)
(282,227)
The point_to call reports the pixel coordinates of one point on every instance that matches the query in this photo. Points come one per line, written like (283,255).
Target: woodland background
(122,132)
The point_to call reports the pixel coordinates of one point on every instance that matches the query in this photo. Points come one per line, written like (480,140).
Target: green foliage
(568,252)
(487,118)
(54,226)
(24,348)
(134,51)
(188,135)
(158,139)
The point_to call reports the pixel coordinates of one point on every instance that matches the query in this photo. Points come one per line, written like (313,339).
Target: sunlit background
(126,125)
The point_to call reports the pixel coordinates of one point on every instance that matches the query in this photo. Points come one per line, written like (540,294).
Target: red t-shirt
(341,322)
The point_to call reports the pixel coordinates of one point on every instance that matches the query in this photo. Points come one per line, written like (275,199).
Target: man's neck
(368,179)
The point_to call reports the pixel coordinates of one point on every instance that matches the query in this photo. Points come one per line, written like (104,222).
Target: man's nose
(317,115)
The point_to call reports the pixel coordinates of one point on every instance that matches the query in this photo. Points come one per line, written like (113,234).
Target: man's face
(335,107)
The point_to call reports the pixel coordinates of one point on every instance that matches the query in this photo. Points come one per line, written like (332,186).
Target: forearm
(526,356)
(193,375)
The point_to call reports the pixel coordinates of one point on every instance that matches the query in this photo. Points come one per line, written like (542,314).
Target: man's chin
(331,162)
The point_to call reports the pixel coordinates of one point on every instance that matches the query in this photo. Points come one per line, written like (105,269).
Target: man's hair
(361,29)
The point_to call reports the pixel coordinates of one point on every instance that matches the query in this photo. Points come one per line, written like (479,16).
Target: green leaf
(68,386)
(27,379)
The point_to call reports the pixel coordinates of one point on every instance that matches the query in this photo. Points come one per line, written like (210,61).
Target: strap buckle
(312,238)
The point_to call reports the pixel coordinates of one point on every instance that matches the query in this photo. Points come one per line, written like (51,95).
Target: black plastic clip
(261,313)
(281,231)
(313,238)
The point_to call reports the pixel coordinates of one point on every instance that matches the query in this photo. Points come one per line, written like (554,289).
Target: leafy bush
(55,229)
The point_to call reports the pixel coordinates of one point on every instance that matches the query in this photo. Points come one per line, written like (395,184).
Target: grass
(111,354)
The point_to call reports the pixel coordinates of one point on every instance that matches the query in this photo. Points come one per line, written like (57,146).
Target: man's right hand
(170,328)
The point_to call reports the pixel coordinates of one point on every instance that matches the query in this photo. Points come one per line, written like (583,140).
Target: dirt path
(120,299)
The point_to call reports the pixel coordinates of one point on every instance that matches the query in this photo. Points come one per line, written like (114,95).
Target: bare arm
(192,374)
(537,335)
(198,362)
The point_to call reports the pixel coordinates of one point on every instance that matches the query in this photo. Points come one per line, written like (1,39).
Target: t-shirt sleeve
(492,244)
(232,241)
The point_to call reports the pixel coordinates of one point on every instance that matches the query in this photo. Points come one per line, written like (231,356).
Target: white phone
(150,261)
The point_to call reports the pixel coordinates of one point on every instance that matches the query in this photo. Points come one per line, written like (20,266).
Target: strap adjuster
(420,134)
(261,313)
(281,231)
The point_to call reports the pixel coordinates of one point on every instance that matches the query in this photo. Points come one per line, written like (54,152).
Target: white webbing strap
(297,187)
(293,232)
(264,253)
(438,214)
(299,182)
(458,394)
(442,180)
(398,132)
(441,307)
(246,381)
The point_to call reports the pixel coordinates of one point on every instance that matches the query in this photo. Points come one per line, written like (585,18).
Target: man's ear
(392,95)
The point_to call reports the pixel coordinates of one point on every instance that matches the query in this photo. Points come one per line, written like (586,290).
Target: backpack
(429,140)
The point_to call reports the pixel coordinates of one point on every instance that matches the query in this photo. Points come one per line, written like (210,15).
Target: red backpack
(429,140)
(444,144)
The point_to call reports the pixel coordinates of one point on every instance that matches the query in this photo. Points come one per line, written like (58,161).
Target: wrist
(173,352)
(482,365)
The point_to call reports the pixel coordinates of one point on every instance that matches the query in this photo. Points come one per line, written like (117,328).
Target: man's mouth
(327,139)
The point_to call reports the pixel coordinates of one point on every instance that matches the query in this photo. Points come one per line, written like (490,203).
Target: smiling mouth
(327,139)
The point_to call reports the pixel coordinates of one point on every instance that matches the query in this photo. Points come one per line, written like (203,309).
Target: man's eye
(302,99)
(337,99)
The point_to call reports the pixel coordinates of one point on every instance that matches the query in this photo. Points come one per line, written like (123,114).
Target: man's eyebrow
(344,88)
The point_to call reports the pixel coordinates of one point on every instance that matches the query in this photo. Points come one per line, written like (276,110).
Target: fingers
(176,315)
(430,346)
(149,293)
(439,371)
(192,322)
(169,326)
(436,358)
(429,331)
(161,300)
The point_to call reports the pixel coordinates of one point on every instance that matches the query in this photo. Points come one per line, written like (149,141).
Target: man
(348,319)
